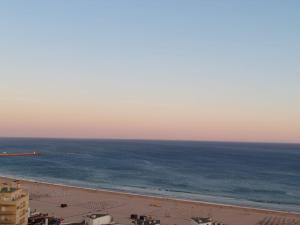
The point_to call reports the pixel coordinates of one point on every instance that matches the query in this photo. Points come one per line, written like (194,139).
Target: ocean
(259,175)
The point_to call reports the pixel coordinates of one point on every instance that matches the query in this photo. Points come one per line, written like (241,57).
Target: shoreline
(154,139)
(46,197)
(149,196)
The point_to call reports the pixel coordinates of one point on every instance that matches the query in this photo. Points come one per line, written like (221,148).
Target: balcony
(7,210)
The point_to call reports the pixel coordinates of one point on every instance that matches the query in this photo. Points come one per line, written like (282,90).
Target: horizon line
(150,139)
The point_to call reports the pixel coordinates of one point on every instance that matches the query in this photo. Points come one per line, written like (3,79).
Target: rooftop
(145,220)
(202,219)
(9,187)
(7,190)
(94,216)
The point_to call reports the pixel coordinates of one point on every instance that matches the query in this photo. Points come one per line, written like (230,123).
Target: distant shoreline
(149,196)
(154,140)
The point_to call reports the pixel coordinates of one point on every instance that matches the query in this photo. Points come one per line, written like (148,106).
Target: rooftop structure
(201,221)
(14,204)
(98,219)
(44,219)
(144,220)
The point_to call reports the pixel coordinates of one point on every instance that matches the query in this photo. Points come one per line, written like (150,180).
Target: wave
(165,193)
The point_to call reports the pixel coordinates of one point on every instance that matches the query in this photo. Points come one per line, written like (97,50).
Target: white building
(201,221)
(98,219)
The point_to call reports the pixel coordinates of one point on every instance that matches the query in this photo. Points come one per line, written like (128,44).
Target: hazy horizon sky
(200,70)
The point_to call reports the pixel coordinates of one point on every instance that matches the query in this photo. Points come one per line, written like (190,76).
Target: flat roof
(93,216)
(202,219)
(7,190)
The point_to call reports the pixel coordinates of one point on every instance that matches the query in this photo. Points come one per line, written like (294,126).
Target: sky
(183,70)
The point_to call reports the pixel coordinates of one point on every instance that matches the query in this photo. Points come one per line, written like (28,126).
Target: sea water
(260,175)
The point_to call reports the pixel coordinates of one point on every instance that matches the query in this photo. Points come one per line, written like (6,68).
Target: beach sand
(46,198)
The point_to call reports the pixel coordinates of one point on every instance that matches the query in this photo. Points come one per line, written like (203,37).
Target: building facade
(14,204)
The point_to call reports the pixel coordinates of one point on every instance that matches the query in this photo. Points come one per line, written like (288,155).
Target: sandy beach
(46,198)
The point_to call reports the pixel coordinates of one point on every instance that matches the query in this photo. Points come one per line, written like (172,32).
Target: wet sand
(46,198)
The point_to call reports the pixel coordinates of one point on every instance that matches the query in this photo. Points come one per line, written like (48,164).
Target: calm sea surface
(259,175)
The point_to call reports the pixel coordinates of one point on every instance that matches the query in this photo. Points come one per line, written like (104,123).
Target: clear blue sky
(226,70)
